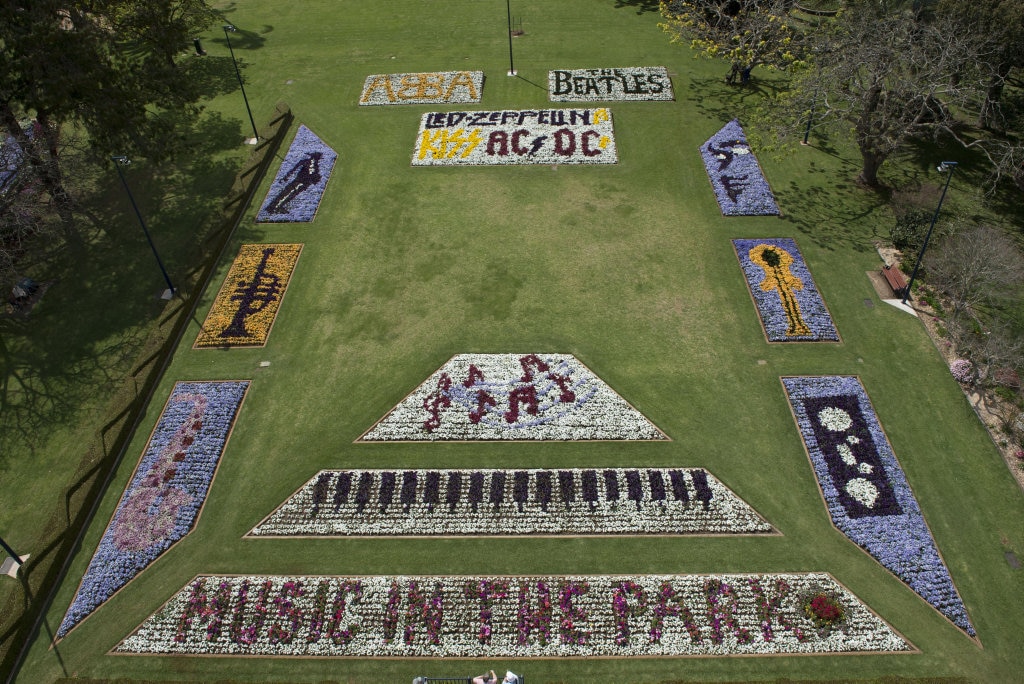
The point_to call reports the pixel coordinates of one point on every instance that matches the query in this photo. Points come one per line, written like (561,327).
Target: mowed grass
(628,267)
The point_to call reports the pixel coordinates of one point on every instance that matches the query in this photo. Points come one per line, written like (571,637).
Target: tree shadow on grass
(80,343)
(832,210)
(720,101)
(640,6)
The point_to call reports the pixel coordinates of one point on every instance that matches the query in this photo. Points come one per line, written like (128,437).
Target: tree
(889,76)
(748,33)
(976,267)
(998,25)
(82,63)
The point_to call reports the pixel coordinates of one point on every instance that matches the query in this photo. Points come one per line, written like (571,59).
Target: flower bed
(865,489)
(546,136)
(295,193)
(513,397)
(246,305)
(438,87)
(162,501)
(789,305)
(520,617)
(512,502)
(735,175)
(625,83)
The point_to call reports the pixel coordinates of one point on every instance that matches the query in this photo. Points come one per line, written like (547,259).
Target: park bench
(895,278)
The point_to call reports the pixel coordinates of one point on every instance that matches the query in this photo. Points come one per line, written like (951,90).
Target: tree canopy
(747,33)
(104,66)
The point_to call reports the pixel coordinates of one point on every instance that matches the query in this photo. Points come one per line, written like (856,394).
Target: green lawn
(628,267)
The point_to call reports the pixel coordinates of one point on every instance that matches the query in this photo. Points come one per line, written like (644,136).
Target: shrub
(962,370)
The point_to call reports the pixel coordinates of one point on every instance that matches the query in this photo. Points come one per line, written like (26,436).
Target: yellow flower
(246,306)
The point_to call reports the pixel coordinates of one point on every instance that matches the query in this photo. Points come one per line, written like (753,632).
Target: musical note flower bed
(865,489)
(162,501)
(246,305)
(512,502)
(299,185)
(735,175)
(521,617)
(513,397)
(788,303)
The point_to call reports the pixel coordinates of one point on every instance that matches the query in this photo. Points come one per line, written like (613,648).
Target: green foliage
(628,267)
(746,33)
(909,228)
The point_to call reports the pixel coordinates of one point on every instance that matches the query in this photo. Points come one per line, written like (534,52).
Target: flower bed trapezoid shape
(608,501)
(520,397)
(520,617)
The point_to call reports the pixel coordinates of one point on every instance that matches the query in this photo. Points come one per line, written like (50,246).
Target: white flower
(835,419)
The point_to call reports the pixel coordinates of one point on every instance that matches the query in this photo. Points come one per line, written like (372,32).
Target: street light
(228,29)
(511,67)
(946,166)
(119,161)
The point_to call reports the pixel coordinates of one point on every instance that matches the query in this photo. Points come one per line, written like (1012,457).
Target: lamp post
(810,117)
(511,66)
(946,166)
(119,161)
(229,29)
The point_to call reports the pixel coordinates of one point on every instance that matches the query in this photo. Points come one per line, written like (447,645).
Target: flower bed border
(891,453)
(273,615)
(225,286)
(372,503)
(330,164)
(360,440)
(708,171)
(117,508)
(813,283)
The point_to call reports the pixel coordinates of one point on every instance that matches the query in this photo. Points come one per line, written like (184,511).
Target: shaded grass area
(627,267)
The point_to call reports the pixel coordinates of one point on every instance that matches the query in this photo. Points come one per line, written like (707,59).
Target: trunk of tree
(872,161)
(734,71)
(46,170)
(990,107)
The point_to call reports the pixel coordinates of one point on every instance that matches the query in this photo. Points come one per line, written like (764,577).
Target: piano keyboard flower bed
(523,617)
(513,397)
(162,501)
(735,175)
(865,489)
(512,502)
(788,303)
(299,185)
(245,308)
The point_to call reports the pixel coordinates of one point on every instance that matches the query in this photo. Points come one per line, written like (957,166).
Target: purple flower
(735,175)
(161,503)
(867,493)
(299,185)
